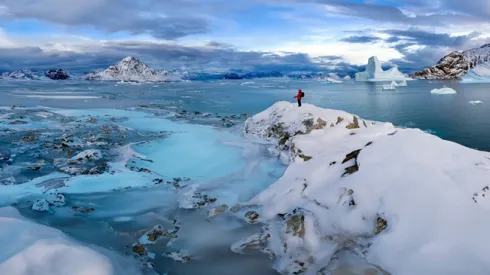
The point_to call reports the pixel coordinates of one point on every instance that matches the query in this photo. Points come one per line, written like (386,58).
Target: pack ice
(397,201)
(374,72)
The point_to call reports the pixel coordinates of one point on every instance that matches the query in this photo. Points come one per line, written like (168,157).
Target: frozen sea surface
(172,157)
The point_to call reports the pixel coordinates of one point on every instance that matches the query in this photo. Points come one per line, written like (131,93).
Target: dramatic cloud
(167,19)
(210,57)
(361,39)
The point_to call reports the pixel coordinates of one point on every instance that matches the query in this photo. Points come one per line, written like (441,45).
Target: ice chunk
(87,155)
(29,248)
(443,91)
(391,86)
(41,205)
(474,102)
(374,72)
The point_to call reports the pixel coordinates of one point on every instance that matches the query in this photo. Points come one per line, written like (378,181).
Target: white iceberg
(479,74)
(474,102)
(374,72)
(29,248)
(347,77)
(443,91)
(401,198)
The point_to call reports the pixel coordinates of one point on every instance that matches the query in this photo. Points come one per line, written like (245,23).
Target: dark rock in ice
(57,74)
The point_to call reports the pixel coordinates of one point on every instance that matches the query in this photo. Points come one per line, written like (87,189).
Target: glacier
(479,74)
(398,200)
(374,72)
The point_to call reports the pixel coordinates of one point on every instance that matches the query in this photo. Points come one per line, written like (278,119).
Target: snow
(403,203)
(347,77)
(374,72)
(131,69)
(474,102)
(29,248)
(479,74)
(443,91)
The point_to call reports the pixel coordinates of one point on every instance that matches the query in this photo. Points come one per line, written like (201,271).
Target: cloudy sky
(215,35)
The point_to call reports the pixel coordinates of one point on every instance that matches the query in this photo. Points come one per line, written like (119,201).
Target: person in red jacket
(299,96)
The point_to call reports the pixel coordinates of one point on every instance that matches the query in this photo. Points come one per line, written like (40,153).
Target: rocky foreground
(367,197)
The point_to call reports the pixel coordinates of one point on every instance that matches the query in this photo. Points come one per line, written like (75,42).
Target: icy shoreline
(400,200)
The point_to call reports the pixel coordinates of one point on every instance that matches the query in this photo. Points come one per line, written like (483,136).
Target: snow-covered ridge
(456,64)
(395,200)
(374,72)
(133,70)
(31,75)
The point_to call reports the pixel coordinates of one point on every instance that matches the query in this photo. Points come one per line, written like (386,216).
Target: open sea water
(451,117)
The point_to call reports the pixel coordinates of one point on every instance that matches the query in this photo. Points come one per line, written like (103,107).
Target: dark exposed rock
(252,216)
(57,74)
(353,168)
(18,122)
(354,124)
(82,210)
(368,144)
(339,120)
(351,155)
(304,157)
(381,225)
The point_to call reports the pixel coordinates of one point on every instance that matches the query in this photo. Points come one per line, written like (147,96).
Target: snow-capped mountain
(21,74)
(456,64)
(133,70)
(58,74)
(374,72)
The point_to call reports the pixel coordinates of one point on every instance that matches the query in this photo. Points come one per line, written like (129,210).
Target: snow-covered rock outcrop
(456,64)
(29,248)
(374,72)
(21,74)
(133,70)
(398,201)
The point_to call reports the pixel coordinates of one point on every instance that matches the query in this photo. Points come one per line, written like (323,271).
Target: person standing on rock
(299,96)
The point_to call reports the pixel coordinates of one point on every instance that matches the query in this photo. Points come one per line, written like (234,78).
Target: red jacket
(299,95)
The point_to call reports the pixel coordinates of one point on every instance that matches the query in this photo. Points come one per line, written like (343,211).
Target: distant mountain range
(456,64)
(130,69)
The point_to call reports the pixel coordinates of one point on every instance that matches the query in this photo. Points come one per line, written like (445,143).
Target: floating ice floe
(401,199)
(391,86)
(443,91)
(474,102)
